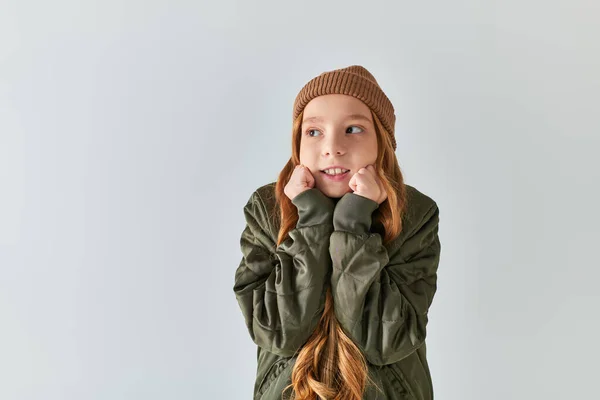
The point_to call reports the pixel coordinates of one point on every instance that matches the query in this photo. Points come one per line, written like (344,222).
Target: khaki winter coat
(381,293)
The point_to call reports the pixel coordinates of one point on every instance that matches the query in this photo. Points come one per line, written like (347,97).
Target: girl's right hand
(301,180)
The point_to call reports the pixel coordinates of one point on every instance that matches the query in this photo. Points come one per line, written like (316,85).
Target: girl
(340,256)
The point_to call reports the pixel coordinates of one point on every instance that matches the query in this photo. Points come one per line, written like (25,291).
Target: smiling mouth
(337,177)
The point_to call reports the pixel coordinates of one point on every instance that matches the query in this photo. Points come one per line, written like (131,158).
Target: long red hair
(330,365)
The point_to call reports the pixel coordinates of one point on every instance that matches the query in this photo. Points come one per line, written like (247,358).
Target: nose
(334,146)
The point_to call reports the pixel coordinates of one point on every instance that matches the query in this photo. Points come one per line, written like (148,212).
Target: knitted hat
(354,81)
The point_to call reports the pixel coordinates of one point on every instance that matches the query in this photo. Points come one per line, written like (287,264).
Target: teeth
(335,171)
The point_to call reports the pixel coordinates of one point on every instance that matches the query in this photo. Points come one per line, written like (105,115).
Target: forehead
(335,106)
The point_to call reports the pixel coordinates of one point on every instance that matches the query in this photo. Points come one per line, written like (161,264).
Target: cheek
(307,155)
(302,154)
(364,153)
(369,151)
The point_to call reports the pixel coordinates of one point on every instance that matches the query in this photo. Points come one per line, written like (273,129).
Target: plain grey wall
(132,133)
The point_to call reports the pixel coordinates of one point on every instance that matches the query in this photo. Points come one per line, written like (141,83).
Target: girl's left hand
(366,183)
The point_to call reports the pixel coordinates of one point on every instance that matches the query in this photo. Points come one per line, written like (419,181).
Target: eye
(308,132)
(354,126)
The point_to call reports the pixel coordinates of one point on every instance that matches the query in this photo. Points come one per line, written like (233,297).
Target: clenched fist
(366,183)
(301,180)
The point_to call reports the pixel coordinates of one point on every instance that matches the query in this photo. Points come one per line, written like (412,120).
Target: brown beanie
(354,81)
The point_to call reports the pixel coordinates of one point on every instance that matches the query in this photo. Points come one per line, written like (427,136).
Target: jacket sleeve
(280,290)
(382,302)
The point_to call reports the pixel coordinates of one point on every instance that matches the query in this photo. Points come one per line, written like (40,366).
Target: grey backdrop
(132,134)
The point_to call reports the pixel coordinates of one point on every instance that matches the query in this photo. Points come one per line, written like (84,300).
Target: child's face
(337,139)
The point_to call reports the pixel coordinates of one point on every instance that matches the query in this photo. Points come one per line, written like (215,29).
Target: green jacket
(381,293)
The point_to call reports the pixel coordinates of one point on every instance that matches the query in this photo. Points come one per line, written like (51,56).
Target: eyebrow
(351,116)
